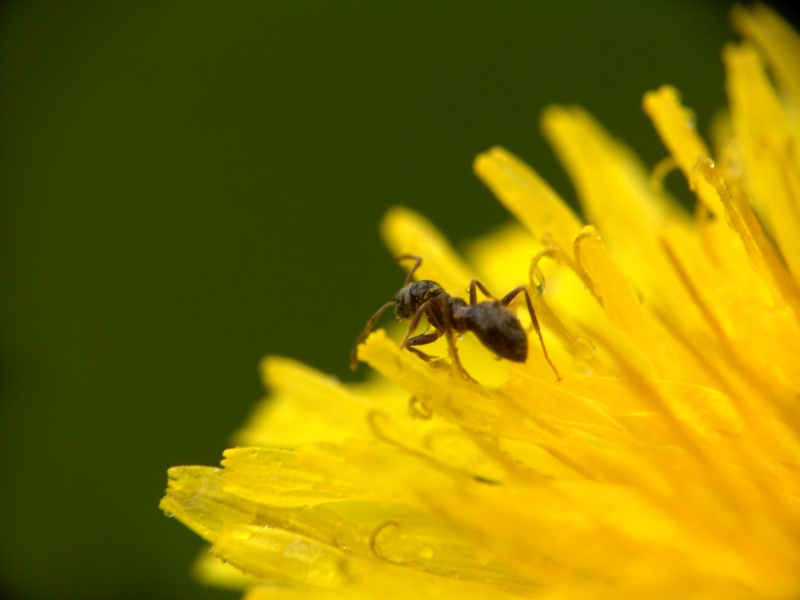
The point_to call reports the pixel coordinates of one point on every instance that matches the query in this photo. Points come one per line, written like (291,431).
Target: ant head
(411,297)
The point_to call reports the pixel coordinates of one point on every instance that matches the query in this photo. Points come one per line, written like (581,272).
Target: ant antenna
(370,324)
(418,262)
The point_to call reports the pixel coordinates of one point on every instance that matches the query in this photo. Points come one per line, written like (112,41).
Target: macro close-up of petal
(643,440)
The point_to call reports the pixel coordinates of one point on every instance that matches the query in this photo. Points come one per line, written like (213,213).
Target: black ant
(497,328)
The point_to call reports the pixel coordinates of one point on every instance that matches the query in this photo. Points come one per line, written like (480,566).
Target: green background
(186,187)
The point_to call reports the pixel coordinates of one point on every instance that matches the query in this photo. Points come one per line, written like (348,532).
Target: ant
(497,328)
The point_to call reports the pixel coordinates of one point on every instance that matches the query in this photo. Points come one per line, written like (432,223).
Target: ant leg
(365,332)
(418,262)
(414,323)
(447,328)
(534,321)
(421,340)
(451,344)
(509,297)
(473,294)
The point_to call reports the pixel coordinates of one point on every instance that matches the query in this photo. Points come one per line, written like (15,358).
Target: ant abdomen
(498,329)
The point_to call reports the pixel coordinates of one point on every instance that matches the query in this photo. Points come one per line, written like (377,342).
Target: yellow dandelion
(665,459)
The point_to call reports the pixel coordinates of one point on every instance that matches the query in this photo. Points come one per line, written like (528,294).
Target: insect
(492,322)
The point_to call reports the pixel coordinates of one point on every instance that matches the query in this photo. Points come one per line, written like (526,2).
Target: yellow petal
(677,127)
(626,313)
(776,39)
(768,149)
(276,477)
(279,556)
(308,406)
(406,232)
(616,195)
(662,461)
(527,196)
(194,496)
(212,571)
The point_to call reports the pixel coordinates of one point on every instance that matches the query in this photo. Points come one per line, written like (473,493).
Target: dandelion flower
(665,461)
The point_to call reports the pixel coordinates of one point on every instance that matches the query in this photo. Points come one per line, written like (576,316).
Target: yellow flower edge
(665,461)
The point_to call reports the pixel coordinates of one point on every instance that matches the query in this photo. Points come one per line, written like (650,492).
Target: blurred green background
(188,186)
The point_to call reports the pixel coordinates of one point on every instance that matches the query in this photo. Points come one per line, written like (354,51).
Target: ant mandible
(495,325)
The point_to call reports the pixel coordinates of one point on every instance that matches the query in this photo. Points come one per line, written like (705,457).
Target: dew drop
(584,348)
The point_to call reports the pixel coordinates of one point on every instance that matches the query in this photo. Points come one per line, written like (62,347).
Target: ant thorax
(411,297)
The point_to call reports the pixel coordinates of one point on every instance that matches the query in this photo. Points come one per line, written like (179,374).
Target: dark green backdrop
(188,186)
